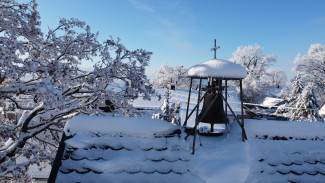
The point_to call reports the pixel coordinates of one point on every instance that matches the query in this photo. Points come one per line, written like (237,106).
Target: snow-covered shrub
(175,117)
(170,112)
(165,110)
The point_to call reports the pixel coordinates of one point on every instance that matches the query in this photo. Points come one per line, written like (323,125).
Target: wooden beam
(57,161)
(244,136)
(188,102)
(240,124)
(226,95)
(197,116)
(185,123)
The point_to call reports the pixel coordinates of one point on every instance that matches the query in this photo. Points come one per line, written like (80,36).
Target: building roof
(106,149)
(272,102)
(286,151)
(218,68)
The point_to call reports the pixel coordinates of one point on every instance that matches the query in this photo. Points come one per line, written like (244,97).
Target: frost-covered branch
(46,71)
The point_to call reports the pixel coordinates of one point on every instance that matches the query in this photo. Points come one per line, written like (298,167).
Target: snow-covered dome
(218,68)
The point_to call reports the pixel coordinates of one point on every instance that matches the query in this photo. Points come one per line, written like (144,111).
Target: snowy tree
(170,112)
(256,63)
(284,93)
(275,77)
(167,75)
(291,97)
(180,73)
(46,67)
(163,77)
(165,108)
(296,89)
(306,107)
(312,68)
(175,116)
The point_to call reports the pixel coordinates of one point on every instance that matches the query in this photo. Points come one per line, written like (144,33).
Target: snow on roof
(272,102)
(117,149)
(276,151)
(218,68)
(286,151)
(116,126)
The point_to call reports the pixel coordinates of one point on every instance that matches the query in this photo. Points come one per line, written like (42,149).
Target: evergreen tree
(311,66)
(296,89)
(170,112)
(306,107)
(165,107)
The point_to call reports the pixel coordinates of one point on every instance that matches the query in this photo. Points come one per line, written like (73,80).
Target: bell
(216,114)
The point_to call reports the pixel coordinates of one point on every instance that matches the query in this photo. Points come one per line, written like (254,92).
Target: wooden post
(226,93)
(57,162)
(244,137)
(188,117)
(188,102)
(197,116)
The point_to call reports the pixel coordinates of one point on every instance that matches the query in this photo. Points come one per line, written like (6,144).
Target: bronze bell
(216,114)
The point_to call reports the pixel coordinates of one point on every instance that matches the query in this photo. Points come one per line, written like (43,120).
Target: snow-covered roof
(118,126)
(272,102)
(286,151)
(119,149)
(108,150)
(218,68)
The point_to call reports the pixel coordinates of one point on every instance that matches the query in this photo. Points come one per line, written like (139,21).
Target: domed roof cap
(218,68)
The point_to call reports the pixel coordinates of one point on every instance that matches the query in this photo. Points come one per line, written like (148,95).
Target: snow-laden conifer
(305,108)
(169,112)
(312,68)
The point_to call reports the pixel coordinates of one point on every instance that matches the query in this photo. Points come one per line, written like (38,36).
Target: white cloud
(139,5)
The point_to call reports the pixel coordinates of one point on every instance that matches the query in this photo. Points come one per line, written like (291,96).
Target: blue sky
(182,31)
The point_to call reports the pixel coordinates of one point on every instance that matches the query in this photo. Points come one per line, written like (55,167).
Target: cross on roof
(215,48)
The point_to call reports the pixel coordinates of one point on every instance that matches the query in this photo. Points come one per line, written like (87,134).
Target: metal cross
(215,48)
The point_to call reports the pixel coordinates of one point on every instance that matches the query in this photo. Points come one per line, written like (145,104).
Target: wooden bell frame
(200,99)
